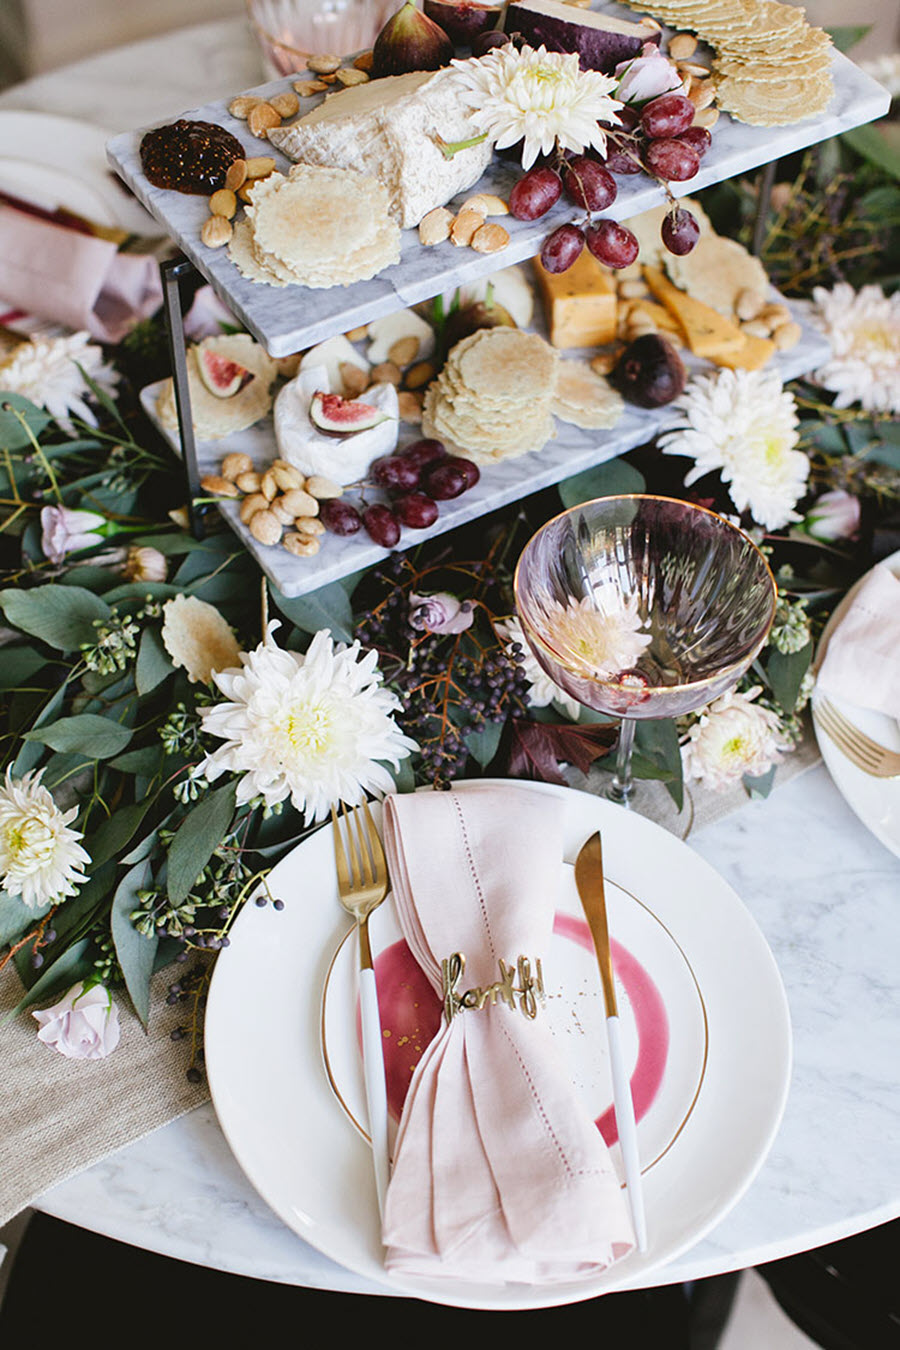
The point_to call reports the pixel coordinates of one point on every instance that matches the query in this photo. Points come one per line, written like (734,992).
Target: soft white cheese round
(344,459)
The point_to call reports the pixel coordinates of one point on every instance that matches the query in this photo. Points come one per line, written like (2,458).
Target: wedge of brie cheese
(391,128)
(343,459)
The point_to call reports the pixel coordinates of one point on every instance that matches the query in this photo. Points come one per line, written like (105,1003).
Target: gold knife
(589,880)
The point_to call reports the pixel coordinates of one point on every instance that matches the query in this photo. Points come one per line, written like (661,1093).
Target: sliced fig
(222,376)
(338,416)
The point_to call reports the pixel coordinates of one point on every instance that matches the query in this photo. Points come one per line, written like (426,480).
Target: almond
(364,61)
(681,46)
(464,227)
(487,203)
(261,118)
(350,75)
(223,203)
(286,104)
(265,527)
(240,107)
(322,488)
(490,238)
(259,166)
(434,228)
(306,88)
(250,505)
(706,117)
(404,350)
(300,503)
(387,372)
(280,512)
(287,477)
(357,334)
(410,406)
(786,335)
(222,487)
(421,373)
(325,63)
(353,379)
(236,175)
(268,487)
(310,525)
(248,482)
(235,464)
(216,231)
(747,305)
(301,545)
(604,363)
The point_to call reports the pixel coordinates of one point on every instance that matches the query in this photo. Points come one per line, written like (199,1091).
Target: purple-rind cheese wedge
(600,40)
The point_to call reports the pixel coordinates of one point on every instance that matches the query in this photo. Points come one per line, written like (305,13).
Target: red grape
(698,138)
(534,193)
(668,115)
(339,517)
(450,478)
(422,452)
(395,472)
(416,510)
(679,231)
(382,526)
(589,184)
(628,117)
(623,159)
(671,159)
(562,248)
(611,243)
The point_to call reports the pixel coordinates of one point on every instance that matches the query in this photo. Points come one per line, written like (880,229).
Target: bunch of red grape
(661,141)
(415,478)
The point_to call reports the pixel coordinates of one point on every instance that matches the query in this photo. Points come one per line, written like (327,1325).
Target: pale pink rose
(440,613)
(207,316)
(834,515)
(83,1025)
(646,76)
(65,531)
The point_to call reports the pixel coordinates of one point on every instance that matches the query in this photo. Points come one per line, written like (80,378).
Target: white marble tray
(572,451)
(286,320)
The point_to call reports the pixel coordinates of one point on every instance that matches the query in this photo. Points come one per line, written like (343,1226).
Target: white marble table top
(821,887)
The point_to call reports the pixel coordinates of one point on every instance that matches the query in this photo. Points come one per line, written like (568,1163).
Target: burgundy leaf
(537,749)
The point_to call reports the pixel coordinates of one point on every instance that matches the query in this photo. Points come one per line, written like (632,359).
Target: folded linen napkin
(862,658)
(74,278)
(499,1173)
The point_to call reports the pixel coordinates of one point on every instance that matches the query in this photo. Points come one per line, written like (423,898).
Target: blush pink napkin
(862,659)
(499,1172)
(74,279)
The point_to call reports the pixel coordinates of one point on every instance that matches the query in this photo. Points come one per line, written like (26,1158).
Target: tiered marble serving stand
(291,319)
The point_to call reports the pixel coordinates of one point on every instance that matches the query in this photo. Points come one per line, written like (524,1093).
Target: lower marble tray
(570,452)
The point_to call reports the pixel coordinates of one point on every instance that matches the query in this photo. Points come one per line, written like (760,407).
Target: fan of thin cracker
(585,398)
(215,417)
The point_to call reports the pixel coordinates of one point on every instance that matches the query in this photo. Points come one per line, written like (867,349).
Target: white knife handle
(376,1091)
(625,1123)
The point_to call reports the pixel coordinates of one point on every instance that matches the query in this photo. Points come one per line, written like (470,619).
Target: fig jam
(189,156)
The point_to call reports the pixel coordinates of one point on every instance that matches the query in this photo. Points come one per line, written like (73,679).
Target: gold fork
(362,885)
(860,749)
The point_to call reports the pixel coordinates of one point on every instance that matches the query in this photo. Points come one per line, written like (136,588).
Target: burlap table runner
(59,1116)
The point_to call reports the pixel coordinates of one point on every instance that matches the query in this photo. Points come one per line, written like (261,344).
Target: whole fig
(649,372)
(410,41)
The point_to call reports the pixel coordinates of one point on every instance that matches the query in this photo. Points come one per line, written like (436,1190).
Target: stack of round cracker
(494,397)
(771,67)
(317,227)
(215,417)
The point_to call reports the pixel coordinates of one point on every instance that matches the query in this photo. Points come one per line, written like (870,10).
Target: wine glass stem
(622,785)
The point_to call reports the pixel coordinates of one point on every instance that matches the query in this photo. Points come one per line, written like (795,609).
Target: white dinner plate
(37,155)
(876,801)
(704,1132)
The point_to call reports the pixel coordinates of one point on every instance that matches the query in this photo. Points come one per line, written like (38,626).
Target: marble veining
(287,319)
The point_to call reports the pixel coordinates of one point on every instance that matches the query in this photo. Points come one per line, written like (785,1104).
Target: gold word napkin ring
(524,995)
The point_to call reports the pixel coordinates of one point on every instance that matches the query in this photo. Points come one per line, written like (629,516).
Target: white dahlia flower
(863,328)
(45,370)
(539,97)
(41,860)
(600,633)
(317,728)
(732,737)
(743,424)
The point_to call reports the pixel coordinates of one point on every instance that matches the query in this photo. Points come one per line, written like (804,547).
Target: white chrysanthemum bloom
(45,370)
(863,328)
(41,860)
(542,691)
(600,633)
(886,70)
(732,737)
(197,638)
(743,424)
(317,728)
(539,97)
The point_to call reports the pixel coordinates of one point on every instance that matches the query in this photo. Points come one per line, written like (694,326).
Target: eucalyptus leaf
(846,36)
(73,965)
(12,433)
(30,754)
(760,787)
(136,952)
(145,761)
(615,477)
(153,662)
(61,616)
(197,838)
(16,918)
(85,734)
(18,664)
(328,607)
(405,776)
(115,832)
(879,144)
(483,745)
(785,672)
